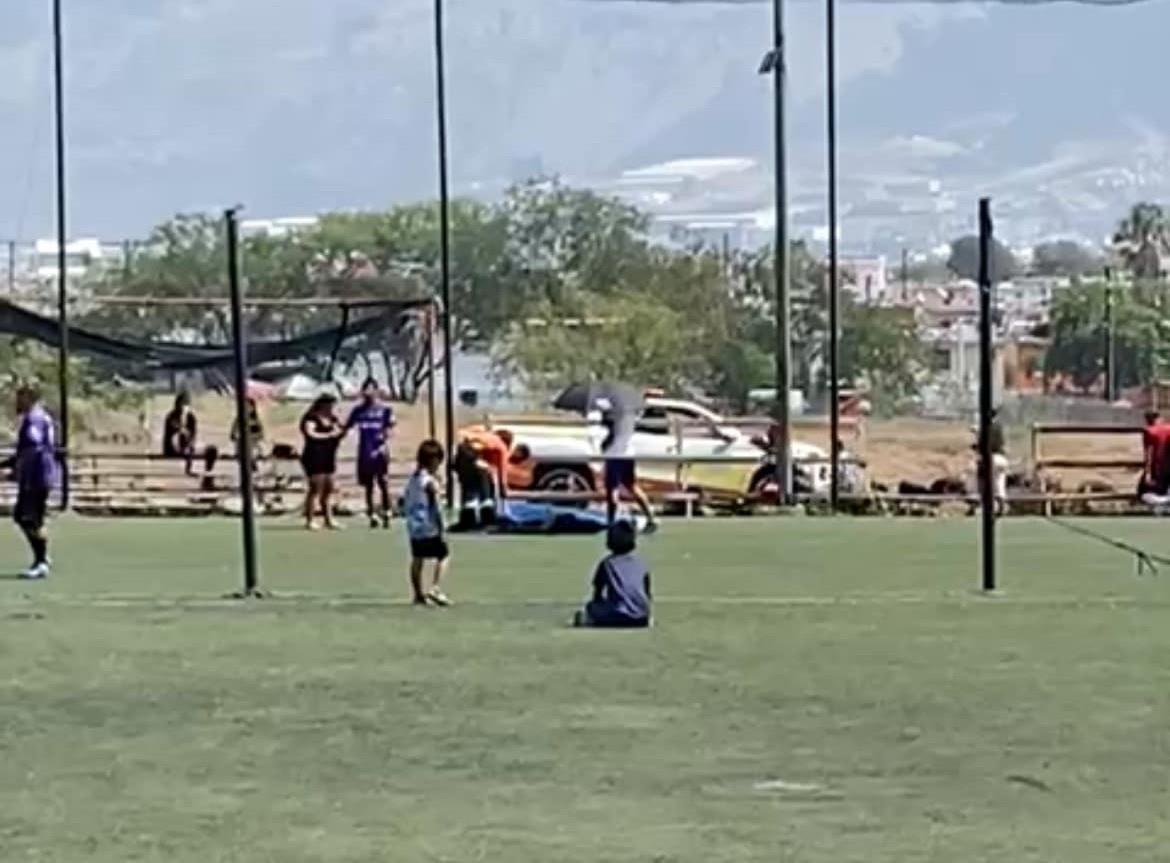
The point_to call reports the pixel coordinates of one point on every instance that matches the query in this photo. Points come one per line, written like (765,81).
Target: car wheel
(764,483)
(570,479)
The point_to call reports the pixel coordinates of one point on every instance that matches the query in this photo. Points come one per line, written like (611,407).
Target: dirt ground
(916,450)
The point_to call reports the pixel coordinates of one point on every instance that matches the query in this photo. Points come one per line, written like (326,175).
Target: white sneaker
(438,598)
(38,572)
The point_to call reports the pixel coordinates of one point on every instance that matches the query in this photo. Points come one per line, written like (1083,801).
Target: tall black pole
(834,263)
(775,64)
(431,424)
(905,275)
(1109,359)
(445,246)
(244,437)
(62,258)
(985,473)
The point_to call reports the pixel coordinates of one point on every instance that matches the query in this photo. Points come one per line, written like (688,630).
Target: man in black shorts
(35,464)
(620,468)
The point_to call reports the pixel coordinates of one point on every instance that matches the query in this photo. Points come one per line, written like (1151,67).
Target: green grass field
(814,690)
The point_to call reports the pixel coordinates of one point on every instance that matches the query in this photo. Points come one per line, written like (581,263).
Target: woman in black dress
(180,429)
(322,432)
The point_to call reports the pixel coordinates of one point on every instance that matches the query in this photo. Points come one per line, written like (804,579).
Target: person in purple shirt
(621,585)
(373,420)
(35,467)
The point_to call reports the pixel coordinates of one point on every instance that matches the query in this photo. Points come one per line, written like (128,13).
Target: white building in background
(81,257)
(743,230)
(281,227)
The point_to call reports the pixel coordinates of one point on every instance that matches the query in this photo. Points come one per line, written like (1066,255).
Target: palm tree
(1143,240)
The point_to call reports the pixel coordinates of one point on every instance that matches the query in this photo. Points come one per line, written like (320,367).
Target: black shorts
(31,507)
(431,548)
(319,464)
(603,616)
(369,470)
(620,473)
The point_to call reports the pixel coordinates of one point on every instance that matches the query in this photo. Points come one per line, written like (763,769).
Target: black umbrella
(619,400)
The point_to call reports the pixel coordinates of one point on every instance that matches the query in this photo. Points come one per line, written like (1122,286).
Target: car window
(696,425)
(653,420)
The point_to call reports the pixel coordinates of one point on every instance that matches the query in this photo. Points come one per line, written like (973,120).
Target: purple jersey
(36,451)
(373,422)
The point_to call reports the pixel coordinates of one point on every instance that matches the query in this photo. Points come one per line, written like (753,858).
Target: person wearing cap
(622,596)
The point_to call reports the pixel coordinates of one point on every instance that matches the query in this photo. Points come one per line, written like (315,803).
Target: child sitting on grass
(621,585)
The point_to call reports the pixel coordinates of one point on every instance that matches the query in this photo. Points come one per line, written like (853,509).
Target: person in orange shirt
(481,464)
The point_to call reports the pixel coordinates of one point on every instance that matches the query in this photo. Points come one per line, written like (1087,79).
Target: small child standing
(424,525)
(621,585)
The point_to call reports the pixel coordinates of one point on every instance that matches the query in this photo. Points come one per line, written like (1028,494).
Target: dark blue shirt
(622,581)
(373,422)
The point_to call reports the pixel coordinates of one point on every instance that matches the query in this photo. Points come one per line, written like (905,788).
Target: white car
(666,427)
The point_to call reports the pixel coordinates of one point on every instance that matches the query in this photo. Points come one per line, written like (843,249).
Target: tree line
(559,284)
(555,283)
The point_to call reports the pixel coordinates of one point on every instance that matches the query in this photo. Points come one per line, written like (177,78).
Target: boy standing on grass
(373,420)
(621,585)
(35,464)
(424,524)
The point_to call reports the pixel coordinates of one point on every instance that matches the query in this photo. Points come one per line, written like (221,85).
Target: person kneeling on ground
(621,585)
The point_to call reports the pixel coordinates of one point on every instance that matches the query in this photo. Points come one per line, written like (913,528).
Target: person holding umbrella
(618,406)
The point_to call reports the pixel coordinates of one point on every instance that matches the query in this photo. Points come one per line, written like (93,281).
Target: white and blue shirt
(423,518)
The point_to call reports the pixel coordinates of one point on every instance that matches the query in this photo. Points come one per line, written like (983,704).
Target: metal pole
(774,63)
(62,258)
(834,263)
(12,268)
(244,439)
(986,492)
(445,246)
(431,424)
(1110,360)
(905,275)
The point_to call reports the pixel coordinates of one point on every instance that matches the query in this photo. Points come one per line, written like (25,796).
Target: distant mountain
(303,105)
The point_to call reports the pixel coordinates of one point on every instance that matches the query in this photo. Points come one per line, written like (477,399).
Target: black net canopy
(397,330)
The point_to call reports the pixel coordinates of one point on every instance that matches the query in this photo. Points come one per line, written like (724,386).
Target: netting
(396,331)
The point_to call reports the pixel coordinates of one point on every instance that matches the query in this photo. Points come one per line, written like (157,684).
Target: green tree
(1143,240)
(964,259)
(881,348)
(1141,338)
(1065,258)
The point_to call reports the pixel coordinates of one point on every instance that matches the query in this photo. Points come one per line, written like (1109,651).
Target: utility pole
(244,441)
(834,263)
(445,248)
(62,257)
(1109,360)
(774,63)
(905,275)
(986,349)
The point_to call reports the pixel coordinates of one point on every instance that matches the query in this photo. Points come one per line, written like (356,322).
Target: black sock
(40,549)
(37,544)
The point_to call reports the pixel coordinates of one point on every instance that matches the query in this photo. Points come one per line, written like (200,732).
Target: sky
(299,106)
